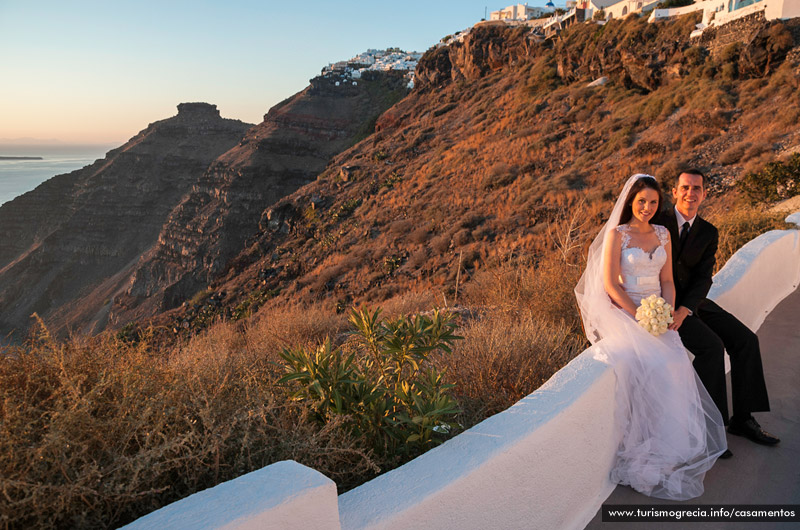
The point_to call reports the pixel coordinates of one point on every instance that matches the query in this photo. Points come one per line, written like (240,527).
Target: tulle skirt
(670,431)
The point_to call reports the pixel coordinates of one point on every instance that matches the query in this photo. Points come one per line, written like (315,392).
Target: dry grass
(505,356)
(96,432)
(741,224)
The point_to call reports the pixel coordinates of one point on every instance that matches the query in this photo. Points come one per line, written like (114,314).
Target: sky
(101,71)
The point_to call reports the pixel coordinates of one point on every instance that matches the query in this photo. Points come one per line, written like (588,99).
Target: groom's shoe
(751,429)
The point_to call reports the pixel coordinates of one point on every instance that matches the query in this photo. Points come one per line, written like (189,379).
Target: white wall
(782,9)
(659,14)
(543,463)
(725,17)
(761,274)
(281,496)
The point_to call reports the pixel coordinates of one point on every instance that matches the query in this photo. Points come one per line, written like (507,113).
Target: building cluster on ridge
(549,20)
(715,12)
(350,71)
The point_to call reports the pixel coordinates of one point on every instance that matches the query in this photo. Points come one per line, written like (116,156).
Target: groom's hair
(689,171)
(640,184)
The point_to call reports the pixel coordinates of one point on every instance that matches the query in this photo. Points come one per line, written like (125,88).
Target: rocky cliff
(287,150)
(80,230)
(502,150)
(504,147)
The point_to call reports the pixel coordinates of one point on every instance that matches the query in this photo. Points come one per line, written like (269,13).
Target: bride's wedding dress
(674,431)
(669,429)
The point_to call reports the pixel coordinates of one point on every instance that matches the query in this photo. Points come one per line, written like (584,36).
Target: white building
(518,12)
(590,7)
(719,12)
(623,8)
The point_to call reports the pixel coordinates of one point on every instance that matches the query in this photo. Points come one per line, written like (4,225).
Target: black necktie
(684,233)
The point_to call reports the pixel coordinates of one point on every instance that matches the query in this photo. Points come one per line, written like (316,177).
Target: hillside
(137,232)
(501,145)
(77,230)
(286,151)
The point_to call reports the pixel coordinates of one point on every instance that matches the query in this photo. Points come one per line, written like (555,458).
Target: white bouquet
(654,314)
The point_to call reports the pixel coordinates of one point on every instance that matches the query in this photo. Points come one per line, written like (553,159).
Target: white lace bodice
(639,270)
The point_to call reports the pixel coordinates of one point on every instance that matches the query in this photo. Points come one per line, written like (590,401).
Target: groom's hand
(678,316)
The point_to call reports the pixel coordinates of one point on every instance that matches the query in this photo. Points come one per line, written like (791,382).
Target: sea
(20,176)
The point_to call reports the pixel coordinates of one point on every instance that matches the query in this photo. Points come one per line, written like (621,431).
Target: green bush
(382,382)
(777,181)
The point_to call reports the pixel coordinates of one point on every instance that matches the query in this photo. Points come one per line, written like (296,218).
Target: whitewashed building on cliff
(720,12)
(519,12)
(349,72)
(623,8)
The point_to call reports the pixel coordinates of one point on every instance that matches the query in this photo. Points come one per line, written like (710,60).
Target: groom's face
(688,194)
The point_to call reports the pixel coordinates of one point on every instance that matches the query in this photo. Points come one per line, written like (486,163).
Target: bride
(670,431)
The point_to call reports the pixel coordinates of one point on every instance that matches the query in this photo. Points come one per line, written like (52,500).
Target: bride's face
(645,205)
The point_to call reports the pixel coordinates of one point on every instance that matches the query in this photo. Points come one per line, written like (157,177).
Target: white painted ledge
(761,274)
(282,496)
(543,463)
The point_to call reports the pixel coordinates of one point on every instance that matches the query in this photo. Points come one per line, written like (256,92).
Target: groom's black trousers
(709,332)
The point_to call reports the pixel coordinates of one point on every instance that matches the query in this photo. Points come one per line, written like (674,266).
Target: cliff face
(502,151)
(286,151)
(497,153)
(78,230)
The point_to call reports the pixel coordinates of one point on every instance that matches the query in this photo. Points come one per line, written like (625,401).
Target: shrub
(673,3)
(382,384)
(776,181)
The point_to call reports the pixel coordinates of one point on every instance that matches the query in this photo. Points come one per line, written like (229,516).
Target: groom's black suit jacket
(692,264)
(711,327)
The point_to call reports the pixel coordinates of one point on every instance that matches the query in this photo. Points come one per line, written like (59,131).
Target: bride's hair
(640,184)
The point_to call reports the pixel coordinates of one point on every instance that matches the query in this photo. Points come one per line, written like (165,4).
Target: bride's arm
(667,282)
(611,269)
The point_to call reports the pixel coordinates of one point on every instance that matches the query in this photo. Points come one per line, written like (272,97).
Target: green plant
(345,209)
(391,263)
(199,297)
(776,181)
(382,381)
(391,180)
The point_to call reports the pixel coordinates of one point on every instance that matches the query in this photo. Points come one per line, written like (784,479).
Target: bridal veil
(669,430)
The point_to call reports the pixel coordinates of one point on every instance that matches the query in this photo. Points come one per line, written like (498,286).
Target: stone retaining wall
(716,39)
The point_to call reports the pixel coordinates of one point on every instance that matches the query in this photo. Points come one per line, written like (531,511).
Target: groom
(705,328)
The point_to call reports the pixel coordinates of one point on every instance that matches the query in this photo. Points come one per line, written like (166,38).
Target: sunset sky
(100,71)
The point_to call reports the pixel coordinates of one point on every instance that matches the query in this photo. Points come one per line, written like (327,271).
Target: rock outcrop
(287,150)
(80,230)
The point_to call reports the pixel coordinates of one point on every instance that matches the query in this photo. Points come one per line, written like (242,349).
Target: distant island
(21,158)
